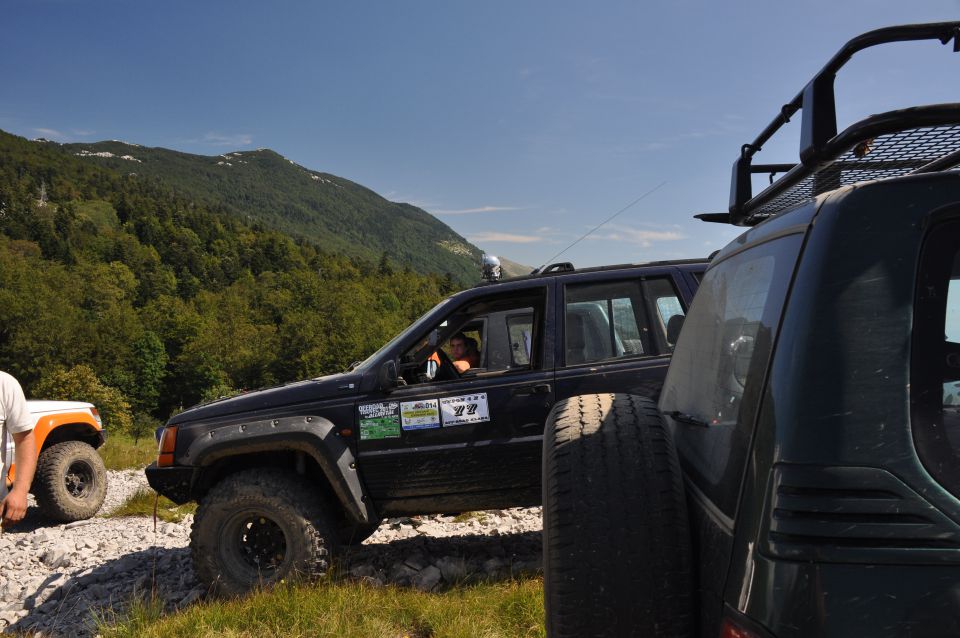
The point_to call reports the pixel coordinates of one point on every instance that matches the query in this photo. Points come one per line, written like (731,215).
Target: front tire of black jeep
(257,527)
(616,541)
(70,482)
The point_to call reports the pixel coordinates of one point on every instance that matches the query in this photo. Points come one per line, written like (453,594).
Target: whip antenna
(598,226)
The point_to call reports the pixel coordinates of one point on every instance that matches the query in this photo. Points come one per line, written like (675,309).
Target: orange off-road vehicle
(71,480)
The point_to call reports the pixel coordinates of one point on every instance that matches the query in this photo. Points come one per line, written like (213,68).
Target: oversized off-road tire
(257,527)
(70,482)
(616,540)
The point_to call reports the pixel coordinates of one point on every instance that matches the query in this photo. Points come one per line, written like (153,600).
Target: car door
(618,331)
(472,442)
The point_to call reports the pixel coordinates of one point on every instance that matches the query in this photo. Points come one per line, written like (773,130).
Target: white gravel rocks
(56,579)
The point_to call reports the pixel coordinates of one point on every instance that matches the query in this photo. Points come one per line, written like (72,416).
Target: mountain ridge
(339,215)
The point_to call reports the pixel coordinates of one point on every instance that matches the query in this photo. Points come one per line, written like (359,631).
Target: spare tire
(616,539)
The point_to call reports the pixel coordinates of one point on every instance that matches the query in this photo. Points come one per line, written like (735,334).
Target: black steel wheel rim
(79,479)
(257,542)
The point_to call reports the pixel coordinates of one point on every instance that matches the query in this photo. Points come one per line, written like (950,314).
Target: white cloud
(482,209)
(643,237)
(508,238)
(49,133)
(219,139)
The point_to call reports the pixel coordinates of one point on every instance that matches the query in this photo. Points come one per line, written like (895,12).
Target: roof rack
(920,139)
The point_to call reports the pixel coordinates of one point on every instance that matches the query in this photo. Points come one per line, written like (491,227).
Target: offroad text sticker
(469,408)
(420,415)
(379,421)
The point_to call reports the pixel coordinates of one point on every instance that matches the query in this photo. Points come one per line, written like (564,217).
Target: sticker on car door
(379,420)
(419,415)
(461,410)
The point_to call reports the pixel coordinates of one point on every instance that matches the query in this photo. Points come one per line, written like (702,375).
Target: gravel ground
(56,579)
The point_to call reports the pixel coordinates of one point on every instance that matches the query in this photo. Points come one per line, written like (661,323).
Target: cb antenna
(601,224)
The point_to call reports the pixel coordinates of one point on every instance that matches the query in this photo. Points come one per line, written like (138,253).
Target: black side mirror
(388,375)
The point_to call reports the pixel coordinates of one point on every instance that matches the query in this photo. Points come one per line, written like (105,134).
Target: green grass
(349,610)
(141,504)
(120,452)
(465,517)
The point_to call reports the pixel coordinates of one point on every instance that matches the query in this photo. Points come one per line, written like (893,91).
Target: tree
(80,383)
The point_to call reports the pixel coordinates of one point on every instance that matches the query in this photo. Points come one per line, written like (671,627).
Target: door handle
(540,388)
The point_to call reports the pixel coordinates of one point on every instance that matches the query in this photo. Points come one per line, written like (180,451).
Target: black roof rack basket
(914,140)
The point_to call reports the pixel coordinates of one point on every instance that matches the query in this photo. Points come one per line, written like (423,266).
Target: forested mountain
(134,290)
(261,186)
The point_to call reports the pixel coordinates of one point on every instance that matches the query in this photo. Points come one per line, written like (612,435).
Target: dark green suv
(800,476)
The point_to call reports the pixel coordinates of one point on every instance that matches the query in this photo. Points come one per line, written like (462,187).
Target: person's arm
(14,506)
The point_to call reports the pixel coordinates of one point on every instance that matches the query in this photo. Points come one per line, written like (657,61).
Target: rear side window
(618,319)
(720,362)
(935,366)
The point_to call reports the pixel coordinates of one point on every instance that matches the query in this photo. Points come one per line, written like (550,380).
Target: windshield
(414,327)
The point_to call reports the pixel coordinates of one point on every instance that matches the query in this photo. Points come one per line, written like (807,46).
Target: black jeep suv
(284,475)
(800,476)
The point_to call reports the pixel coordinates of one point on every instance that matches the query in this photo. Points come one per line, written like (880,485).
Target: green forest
(118,289)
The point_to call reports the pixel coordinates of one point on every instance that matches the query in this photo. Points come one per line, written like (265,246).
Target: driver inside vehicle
(464,352)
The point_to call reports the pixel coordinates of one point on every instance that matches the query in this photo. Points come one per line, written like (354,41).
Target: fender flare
(313,435)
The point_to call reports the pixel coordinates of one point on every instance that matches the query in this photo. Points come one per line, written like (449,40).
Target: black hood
(311,390)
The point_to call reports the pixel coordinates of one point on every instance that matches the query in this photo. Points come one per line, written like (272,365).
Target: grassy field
(350,610)
(121,452)
(142,503)
(342,609)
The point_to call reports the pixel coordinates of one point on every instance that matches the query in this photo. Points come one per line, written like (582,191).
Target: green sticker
(379,421)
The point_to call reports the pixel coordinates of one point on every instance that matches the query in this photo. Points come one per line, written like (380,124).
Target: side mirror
(434,338)
(388,375)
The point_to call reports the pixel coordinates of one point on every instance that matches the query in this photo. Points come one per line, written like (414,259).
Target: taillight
(731,629)
(96,417)
(168,443)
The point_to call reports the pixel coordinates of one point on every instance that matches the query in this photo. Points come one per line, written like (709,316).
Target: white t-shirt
(14,417)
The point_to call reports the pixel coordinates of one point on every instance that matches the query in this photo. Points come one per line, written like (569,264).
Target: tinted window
(611,320)
(719,364)
(935,369)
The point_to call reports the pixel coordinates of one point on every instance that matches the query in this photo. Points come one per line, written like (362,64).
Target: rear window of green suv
(720,361)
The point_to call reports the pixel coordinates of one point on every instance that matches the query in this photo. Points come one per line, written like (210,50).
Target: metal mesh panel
(885,156)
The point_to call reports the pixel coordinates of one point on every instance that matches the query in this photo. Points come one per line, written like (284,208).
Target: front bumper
(176,482)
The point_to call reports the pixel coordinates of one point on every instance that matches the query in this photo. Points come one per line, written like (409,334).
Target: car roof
(566,269)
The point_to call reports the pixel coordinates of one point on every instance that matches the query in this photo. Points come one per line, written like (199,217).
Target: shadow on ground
(64,605)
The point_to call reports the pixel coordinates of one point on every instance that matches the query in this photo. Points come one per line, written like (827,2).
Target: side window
(607,320)
(951,331)
(520,334)
(666,309)
(490,335)
(935,367)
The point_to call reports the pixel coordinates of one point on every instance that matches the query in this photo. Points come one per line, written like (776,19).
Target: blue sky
(522,125)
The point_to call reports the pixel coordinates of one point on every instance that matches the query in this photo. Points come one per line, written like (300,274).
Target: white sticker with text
(469,408)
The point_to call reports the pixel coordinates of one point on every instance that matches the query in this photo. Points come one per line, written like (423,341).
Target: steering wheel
(446,370)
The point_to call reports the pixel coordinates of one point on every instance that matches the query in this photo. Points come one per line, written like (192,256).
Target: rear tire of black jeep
(257,527)
(70,482)
(616,541)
